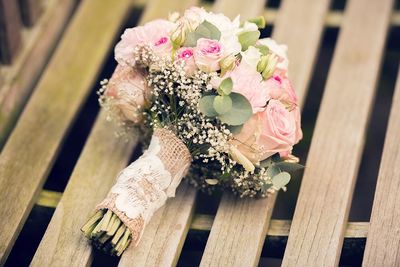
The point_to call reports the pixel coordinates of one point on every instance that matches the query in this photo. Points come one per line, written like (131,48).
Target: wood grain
(303,37)
(383,242)
(64,244)
(164,236)
(29,153)
(227,235)
(10,30)
(319,222)
(21,76)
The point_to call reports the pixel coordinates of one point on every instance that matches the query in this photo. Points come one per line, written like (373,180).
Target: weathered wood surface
(233,241)
(10,30)
(316,234)
(64,244)
(234,8)
(164,236)
(383,241)
(20,77)
(28,155)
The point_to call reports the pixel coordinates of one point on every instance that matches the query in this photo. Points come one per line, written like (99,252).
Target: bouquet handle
(139,191)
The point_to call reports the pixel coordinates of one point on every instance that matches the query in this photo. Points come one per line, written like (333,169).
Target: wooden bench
(237,232)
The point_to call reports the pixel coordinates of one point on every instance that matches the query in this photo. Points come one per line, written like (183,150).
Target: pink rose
(127,93)
(273,130)
(248,82)
(155,34)
(207,54)
(187,55)
(281,88)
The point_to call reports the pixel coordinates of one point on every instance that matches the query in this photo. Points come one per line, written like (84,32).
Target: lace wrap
(144,186)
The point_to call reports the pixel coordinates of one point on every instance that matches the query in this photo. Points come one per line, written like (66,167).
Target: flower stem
(107,232)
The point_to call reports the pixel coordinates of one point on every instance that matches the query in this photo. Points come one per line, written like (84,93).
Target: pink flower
(273,130)
(248,82)
(127,93)
(207,54)
(187,55)
(155,34)
(281,88)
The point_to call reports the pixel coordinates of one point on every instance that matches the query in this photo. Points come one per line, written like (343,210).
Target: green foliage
(259,21)
(225,88)
(204,30)
(264,50)
(280,180)
(240,112)
(222,104)
(235,129)
(206,106)
(289,166)
(247,39)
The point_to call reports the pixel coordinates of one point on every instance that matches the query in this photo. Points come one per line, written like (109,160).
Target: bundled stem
(107,232)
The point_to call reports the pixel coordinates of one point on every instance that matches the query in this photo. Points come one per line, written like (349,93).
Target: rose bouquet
(221,109)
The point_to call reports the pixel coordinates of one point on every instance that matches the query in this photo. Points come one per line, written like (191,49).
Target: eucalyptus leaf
(226,86)
(235,129)
(273,170)
(280,180)
(259,21)
(247,39)
(206,105)
(240,112)
(289,166)
(222,104)
(204,30)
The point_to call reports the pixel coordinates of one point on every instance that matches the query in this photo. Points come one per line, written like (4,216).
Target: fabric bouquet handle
(139,191)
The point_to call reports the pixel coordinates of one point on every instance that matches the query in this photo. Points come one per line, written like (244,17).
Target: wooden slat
(240,241)
(316,234)
(19,78)
(10,30)
(232,9)
(383,242)
(30,10)
(28,155)
(310,15)
(164,236)
(63,244)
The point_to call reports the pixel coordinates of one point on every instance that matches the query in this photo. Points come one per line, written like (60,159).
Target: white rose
(251,57)
(279,50)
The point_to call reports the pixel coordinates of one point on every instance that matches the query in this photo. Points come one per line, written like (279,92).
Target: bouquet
(220,107)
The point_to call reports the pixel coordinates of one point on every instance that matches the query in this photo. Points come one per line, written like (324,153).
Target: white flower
(247,27)
(251,57)
(227,27)
(279,50)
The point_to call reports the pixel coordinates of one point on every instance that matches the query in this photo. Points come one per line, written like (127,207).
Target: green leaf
(235,129)
(272,171)
(264,50)
(247,39)
(224,176)
(240,112)
(222,104)
(206,105)
(204,30)
(259,21)
(280,180)
(289,166)
(226,86)
(270,161)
